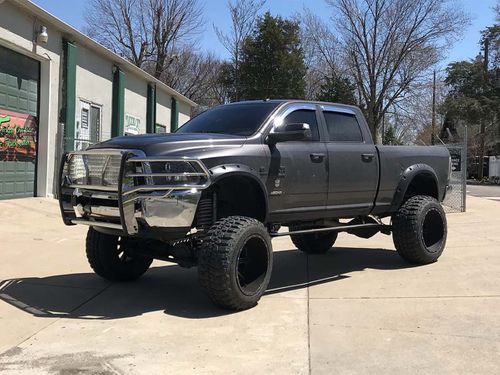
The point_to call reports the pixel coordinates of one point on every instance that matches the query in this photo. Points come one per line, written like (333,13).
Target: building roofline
(84,40)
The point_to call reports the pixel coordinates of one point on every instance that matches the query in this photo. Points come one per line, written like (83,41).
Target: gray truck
(214,193)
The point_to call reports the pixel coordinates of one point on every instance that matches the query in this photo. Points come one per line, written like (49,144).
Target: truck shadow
(175,290)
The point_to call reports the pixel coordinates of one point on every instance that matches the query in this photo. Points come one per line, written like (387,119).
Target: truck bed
(394,162)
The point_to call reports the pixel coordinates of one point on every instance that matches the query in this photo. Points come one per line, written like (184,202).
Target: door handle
(317,158)
(367,157)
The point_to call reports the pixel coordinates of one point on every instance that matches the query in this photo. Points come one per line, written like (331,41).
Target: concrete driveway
(358,309)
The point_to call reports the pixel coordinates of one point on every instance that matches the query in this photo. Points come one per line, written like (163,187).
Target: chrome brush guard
(123,190)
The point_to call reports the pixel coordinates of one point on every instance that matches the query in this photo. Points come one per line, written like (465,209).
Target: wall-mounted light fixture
(42,36)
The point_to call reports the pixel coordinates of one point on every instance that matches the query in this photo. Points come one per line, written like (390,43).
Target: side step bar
(339,228)
(97,224)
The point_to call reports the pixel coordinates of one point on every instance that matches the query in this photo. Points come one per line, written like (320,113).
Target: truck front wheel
(235,262)
(110,257)
(419,230)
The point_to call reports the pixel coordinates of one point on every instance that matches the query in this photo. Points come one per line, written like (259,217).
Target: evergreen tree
(390,137)
(337,89)
(473,96)
(273,61)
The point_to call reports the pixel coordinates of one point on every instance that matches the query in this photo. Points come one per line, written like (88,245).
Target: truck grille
(93,169)
(102,170)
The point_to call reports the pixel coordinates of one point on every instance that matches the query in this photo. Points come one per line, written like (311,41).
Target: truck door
(297,182)
(353,164)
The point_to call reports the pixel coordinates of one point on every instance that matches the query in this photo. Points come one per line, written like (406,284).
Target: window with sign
(88,125)
(161,128)
(132,124)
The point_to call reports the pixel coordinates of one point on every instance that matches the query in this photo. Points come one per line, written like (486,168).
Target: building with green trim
(61,91)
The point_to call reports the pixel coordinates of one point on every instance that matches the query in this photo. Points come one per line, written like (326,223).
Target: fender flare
(406,179)
(222,171)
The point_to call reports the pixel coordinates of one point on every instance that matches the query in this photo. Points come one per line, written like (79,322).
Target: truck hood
(178,144)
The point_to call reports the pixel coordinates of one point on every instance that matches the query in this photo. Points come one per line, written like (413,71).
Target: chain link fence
(455,198)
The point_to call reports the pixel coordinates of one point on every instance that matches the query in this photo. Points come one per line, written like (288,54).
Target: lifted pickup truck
(215,192)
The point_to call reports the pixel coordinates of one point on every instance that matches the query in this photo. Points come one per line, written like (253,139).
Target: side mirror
(290,132)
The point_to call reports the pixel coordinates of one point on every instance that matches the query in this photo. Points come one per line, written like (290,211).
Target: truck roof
(282,101)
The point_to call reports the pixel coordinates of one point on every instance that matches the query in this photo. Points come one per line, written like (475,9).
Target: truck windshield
(236,119)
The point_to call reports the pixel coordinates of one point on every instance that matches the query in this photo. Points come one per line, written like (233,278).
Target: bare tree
(321,51)
(196,76)
(146,32)
(321,45)
(411,115)
(313,32)
(243,16)
(389,44)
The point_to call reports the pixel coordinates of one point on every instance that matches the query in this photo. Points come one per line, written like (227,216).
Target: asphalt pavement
(484,191)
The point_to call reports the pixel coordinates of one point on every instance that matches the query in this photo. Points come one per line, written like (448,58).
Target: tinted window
(304,116)
(235,119)
(343,127)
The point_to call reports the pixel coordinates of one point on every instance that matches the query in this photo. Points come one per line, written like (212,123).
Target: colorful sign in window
(17,136)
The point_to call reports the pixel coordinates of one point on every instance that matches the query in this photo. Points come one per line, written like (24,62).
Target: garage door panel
(19,77)
(32,106)
(22,104)
(33,87)
(16,179)
(11,168)
(8,189)
(20,186)
(11,80)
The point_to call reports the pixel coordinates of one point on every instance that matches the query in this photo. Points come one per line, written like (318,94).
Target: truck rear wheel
(419,230)
(110,257)
(235,262)
(314,243)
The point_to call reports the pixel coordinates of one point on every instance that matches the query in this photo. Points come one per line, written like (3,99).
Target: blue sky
(216,14)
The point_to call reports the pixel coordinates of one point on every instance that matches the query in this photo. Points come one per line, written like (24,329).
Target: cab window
(342,127)
(304,116)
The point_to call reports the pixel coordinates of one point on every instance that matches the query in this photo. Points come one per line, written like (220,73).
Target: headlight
(167,173)
(177,172)
(92,169)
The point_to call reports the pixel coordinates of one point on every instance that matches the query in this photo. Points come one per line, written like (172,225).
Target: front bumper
(137,200)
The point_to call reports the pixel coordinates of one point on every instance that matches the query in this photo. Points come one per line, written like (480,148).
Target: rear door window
(342,127)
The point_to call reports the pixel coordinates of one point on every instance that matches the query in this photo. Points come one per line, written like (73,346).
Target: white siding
(94,84)
(184,113)
(136,92)
(164,101)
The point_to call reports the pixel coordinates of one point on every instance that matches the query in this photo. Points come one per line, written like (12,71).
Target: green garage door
(19,81)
